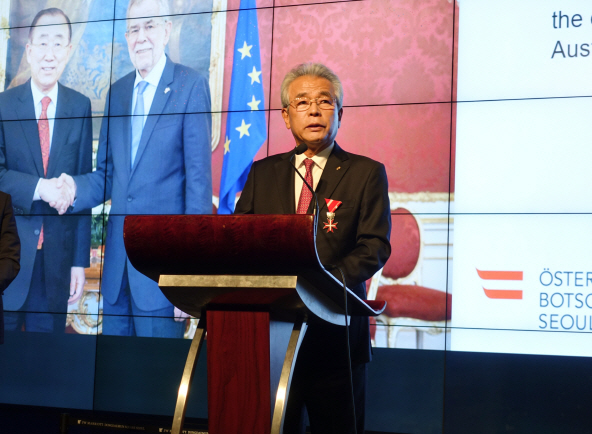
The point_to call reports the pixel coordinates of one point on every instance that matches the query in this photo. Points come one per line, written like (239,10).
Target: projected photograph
(80,54)
(479,115)
(398,78)
(42,82)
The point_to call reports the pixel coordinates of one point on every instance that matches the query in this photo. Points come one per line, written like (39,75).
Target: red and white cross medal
(332,205)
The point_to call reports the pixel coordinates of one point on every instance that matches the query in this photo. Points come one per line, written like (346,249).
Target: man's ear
(286,117)
(28,53)
(168,25)
(339,115)
(69,51)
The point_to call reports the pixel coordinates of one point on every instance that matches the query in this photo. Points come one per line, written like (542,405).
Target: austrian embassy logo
(494,284)
(558,300)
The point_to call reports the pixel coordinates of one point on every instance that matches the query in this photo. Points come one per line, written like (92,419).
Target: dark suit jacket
(66,238)
(360,246)
(10,251)
(171,175)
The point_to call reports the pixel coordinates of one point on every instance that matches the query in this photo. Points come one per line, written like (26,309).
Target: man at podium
(353,235)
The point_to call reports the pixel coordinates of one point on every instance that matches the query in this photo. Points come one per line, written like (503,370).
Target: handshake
(59,193)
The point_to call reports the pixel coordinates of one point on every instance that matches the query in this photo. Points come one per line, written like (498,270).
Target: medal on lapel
(332,205)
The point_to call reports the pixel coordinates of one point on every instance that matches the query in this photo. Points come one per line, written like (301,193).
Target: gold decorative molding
(421,196)
(87,316)
(4,37)
(436,220)
(218,46)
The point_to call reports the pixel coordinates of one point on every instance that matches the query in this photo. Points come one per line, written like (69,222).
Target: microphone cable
(299,150)
(349,364)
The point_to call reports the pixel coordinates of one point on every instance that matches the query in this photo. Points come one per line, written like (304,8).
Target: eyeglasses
(303,103)
(56,47)
(149,29)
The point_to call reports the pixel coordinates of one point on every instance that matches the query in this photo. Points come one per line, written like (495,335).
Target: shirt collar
(153,76)
(38,95)
(319,159)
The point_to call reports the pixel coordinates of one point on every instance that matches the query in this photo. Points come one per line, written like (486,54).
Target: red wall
(395,60)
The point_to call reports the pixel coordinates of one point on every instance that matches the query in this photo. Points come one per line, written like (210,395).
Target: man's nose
(314,109)
(141,34)
(49,54)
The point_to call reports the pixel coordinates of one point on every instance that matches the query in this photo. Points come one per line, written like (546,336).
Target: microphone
(300,149)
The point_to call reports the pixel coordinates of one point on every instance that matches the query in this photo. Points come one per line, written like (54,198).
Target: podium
(253,280)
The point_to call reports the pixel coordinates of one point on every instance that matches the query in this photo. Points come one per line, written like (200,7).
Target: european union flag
(245,125)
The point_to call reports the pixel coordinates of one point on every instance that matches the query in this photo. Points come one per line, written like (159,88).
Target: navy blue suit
(171,172)
(66,238)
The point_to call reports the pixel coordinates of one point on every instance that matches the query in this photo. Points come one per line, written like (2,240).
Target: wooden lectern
(253,280)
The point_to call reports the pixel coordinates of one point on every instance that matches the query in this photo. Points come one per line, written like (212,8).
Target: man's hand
(58,194)
(77,279)
(179,315)
(67,180)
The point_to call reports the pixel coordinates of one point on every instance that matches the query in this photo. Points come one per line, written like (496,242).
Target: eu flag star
(243,129)
(254,104)
(254,75)
(245,51)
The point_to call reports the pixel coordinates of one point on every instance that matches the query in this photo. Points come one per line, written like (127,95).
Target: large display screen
(521,238)
(478,110)
(398,79)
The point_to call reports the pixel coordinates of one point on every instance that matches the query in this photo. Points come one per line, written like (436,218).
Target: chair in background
(409,305)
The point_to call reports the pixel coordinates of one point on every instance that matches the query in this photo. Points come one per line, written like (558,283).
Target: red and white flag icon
(501,276)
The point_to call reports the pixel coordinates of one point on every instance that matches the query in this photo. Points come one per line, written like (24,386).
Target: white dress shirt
(153,78)
(319,160)
(51,112)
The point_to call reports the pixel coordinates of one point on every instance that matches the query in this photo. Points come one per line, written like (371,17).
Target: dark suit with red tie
(43,284)
(359,246)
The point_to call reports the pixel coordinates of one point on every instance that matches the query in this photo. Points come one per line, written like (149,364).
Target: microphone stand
(299,150)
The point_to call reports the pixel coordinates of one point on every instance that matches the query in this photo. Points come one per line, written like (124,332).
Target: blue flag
(246,128)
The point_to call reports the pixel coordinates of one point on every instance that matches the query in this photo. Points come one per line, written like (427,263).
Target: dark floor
(46,420)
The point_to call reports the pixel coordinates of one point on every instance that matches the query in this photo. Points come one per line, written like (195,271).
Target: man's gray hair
(164,10)
(313,70)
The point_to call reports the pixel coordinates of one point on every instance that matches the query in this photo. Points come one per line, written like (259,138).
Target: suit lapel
(60,130)
(332,175)
(284,181)
(26,111)
(156,109)
(121,110)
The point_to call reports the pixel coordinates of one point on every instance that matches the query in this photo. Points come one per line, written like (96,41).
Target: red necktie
(43,127)
(305,193)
